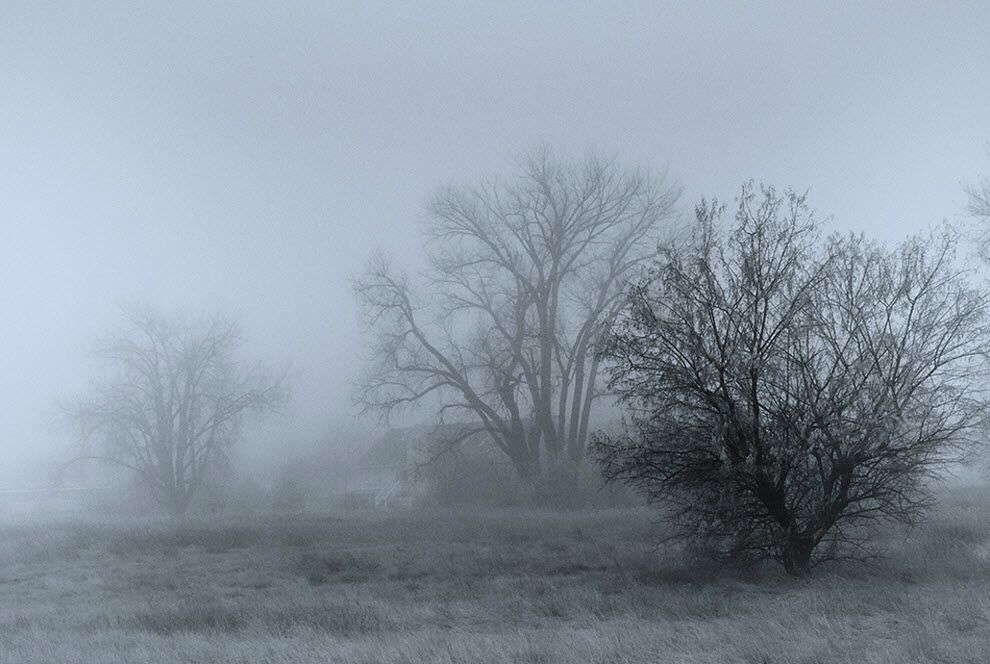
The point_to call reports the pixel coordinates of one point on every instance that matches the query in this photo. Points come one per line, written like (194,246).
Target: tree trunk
(796,554)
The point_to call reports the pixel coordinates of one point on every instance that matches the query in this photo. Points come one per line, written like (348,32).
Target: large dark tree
(170,401)
(502,332)
(787,391)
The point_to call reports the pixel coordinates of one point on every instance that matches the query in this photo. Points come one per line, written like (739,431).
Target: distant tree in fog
(978,206)
(171,401)
(503,330)
(787,391)
(979,198)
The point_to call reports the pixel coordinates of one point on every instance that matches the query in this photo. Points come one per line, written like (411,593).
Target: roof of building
(410,446)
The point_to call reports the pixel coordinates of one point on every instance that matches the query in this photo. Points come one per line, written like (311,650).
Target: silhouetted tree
(171,402)
(786,392)
(504,332)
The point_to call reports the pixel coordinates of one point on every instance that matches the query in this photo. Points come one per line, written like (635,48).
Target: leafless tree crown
(978,207)
(171,401)
(787,389)
(502,332)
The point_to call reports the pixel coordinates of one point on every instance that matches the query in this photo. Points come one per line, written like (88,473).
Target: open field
(477,587)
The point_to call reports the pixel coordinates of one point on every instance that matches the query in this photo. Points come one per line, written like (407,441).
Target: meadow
(478,586)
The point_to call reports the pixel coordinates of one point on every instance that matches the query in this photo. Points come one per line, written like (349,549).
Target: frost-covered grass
(479,586)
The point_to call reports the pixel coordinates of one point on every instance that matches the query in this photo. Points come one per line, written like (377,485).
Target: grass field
(480,586)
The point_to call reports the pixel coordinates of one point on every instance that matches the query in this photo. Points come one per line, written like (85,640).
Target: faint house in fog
(383,475)
(432,463)
(386,474)
(64,489)
(54,500)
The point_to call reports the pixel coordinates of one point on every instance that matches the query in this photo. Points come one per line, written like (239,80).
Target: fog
(375,332)
(252,157)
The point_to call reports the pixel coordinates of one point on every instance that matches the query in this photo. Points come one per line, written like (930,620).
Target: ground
(480,586)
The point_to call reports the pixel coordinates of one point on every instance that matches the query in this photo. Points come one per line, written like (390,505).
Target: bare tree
(786,391)
(503,335)
(171,401)
(979,198)
(978,207)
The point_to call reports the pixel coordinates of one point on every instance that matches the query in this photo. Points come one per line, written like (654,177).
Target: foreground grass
(478,587)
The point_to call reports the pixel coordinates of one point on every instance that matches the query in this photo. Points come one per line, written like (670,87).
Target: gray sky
(253,155)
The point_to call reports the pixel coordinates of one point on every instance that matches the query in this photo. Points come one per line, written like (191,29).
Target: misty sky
(252,155)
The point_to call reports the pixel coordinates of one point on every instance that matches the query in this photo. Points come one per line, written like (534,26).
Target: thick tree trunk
(796,554)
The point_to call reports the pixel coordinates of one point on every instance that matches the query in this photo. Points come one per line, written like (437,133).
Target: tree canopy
(170,401)
(502,333)
(787,390)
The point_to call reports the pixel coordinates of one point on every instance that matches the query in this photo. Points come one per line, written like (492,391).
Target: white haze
(251,156)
